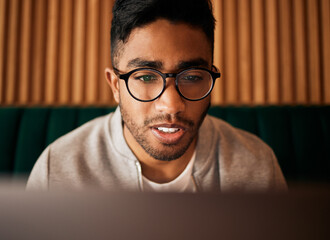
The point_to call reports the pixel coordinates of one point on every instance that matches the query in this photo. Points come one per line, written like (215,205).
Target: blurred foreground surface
(301,214)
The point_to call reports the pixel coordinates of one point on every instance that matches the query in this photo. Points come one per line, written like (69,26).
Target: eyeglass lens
(147,85)
(194,84)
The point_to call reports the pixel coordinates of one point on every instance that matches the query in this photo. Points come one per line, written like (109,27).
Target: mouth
(168,130)
(168,133)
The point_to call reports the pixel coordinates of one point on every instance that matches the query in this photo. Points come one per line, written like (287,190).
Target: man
(160,138)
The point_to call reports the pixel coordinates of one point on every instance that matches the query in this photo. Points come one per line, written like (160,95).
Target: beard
(166,152)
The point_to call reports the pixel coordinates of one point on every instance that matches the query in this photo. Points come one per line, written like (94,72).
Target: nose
(170,101)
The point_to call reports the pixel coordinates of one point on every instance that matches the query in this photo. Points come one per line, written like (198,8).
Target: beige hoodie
(97,155)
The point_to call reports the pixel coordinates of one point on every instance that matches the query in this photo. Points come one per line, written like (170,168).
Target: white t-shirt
(183,183)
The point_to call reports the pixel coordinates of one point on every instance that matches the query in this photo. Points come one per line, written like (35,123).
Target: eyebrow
(139,63)
(199,62)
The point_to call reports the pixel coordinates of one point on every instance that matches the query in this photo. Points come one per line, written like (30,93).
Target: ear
(215,69)
(112,80)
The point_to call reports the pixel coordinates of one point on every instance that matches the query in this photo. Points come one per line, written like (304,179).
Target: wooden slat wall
(272,52)
(54,52)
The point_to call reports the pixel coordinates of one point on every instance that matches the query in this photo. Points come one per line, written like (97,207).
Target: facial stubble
(170,151)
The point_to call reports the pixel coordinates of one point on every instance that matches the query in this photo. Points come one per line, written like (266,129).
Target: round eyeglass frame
(126,76)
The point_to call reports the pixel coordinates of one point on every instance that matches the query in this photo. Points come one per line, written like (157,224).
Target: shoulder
(87,156)
(87,137)
(234,146)
(81,135)
(235,137)
(73,158)
(245,161)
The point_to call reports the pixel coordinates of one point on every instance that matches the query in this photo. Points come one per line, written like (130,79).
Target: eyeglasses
(146,84)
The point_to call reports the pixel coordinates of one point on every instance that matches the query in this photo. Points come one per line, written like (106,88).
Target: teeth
(168,130)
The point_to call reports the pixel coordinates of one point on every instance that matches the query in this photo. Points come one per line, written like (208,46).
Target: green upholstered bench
(299,136)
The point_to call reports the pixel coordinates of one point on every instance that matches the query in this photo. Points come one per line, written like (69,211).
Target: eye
(191,78)
(147,78)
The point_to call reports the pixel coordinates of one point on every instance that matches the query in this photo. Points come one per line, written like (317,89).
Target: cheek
(124,96)
(199,107)
(135,109)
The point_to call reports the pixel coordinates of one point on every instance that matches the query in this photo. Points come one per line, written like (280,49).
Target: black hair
(130,14)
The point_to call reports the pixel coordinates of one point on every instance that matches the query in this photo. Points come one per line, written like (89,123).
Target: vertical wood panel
(24,53)
(272,52)
(52,47)
(12,43)
(325,8)
(268,51)
(258,56)
(3,4)
(286,74)
(38,64)
(104,50)
(218,92)
(65,52)
(300,52)
(230,35)
(78,64)
(244,52)
(92,77)
(314,77)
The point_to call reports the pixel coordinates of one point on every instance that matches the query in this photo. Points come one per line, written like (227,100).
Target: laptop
(300,214)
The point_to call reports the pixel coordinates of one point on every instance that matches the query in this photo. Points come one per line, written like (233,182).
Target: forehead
(168,44)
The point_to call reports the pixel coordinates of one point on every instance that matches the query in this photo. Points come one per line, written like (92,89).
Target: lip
(168,138)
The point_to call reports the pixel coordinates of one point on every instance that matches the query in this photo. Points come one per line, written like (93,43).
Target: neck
(166,171)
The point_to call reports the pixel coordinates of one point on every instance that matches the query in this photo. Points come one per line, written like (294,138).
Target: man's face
(167,127)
